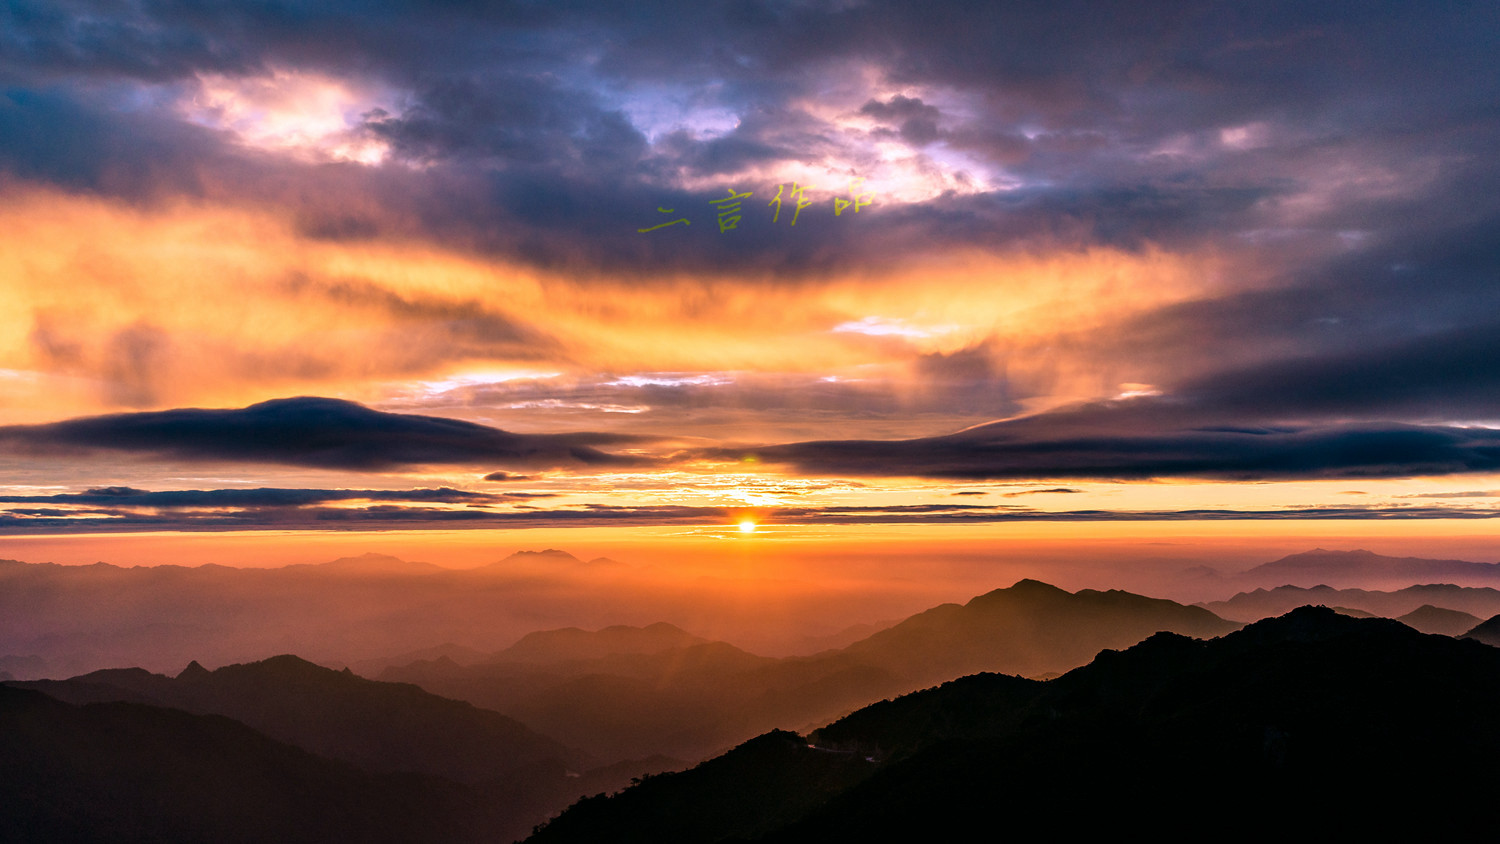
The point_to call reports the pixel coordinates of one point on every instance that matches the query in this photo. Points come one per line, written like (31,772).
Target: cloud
(1112,134)
(1474,493)
(1326,181)
(506,476)
(314,432)
(1378,411)
(121,497)
(1027,451)
(30,520)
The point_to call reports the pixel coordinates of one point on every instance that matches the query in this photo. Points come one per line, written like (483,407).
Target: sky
(821,270)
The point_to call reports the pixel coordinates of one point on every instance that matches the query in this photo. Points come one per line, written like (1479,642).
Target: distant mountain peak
(545,554)
(282,667)
(1315,623)
(1024,588)
(194,671)
(576,643)
(1027,584)
(373,562)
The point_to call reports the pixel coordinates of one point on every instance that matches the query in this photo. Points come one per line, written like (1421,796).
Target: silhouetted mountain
(120,772)
(1430,619)
(1487,632)
(1480,602)
(451,651)
(18,667)
(1031,628)
(1367,570)
(377,726)
(571,643)
(697,700)
(371,563)
(350,609)
(1313,721)
(729,794)
(842,639)
(684,702)
(550,556)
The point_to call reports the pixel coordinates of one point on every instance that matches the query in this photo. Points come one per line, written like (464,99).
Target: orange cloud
(192,303)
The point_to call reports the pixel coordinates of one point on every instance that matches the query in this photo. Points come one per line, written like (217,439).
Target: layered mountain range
(1313,721)
(662,690)
(1118,699)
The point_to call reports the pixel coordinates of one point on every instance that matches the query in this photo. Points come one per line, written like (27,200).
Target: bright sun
(747,526)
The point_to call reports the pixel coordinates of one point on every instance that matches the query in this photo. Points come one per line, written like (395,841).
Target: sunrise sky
(293,268)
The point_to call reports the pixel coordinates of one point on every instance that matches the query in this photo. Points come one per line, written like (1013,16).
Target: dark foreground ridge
(311,754)
(118,772)
(1313,722)
(382,727)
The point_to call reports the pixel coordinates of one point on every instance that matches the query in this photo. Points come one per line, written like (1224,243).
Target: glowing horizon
(326,285)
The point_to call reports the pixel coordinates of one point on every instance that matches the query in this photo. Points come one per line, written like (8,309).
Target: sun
(747,526)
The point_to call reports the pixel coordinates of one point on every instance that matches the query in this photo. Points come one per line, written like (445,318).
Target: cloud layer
(312,432)
(972,242)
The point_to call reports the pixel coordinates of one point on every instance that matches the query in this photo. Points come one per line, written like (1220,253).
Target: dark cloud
(314,432)
(506,476)
(515,120)
(1112,122)
(917,121)
(1294,417)
(1352,154)
(435,327)
(48,520)
(1027,451)
(262,497)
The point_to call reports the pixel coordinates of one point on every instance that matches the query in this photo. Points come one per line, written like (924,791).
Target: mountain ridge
(1278,723)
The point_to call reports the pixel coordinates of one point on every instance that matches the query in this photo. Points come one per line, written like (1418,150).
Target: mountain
(371,563)
(1312,721)
(571,643)
(1031,628)
(456,653)
(1481,602)
(17,667)
(550,558)
(121,772)
(1430,619)
(696,700)
(340,612)
(1487,632)
(382,727)
(684,702)
(475,757)
(841,639)
(1367,570)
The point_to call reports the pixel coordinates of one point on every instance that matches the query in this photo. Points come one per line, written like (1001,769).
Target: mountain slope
(377,726)
(1031,628)
(572,643)
(1299,720)
(1444,622)
(694,701)
(1479,601)
(119,772)
(1367,569)
(1487,632)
